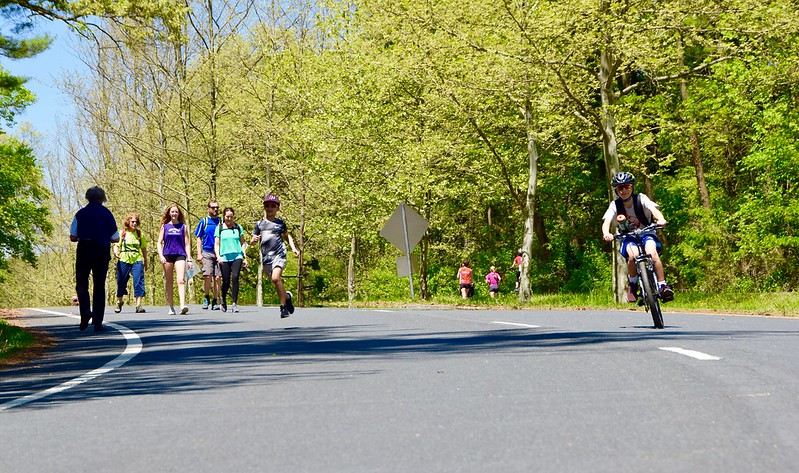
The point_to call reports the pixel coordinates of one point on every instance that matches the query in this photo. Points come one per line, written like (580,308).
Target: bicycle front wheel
(650,295)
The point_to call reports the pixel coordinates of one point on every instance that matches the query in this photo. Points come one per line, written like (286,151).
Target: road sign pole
(407,247)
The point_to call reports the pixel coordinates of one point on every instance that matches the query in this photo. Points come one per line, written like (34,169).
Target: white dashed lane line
(514,324)
(133,348)
(692,353)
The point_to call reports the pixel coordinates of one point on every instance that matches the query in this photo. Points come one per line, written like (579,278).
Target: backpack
(204,221)
(637,207)
(125,232)
(237,227)
(123,244)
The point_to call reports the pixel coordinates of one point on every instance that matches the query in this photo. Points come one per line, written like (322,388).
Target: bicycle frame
(647,280)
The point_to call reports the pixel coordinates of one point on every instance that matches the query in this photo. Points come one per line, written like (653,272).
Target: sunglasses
(213,208)
(270,205)
(134,221)
(624,187)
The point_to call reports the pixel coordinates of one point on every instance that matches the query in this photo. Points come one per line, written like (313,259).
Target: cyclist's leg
(652,250)
(629,251)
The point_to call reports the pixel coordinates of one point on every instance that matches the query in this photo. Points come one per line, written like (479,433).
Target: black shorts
(174,258)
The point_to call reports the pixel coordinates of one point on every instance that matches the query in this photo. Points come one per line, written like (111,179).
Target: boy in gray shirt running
(271,232)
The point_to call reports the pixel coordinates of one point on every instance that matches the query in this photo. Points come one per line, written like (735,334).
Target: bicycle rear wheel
(650,295)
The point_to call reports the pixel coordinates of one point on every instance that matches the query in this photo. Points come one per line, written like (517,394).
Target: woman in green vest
(131,253)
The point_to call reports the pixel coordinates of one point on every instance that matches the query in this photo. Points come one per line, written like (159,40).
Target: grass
(19,344)
(763,304)
(13,339)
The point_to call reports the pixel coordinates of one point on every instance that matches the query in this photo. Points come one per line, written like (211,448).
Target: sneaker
(224,305)
(206,301)
(184,310)
(284,312)
(234,307)
(289,304)
(666,294)
(140,309)
(171,311)
(214,305)
(632,292)
(118,308)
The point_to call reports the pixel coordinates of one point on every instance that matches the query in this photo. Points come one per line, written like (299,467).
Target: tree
(23,215)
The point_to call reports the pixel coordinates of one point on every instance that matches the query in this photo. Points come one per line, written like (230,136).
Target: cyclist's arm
(606,230)
(659,218)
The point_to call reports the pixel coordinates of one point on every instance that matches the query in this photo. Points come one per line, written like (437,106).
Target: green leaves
(23,215)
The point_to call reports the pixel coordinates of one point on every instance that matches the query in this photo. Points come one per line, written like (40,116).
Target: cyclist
(639,211)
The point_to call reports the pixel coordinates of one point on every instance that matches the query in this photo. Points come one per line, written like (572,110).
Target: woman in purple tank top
(174,248)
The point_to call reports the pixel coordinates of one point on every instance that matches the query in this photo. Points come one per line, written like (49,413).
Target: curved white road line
(134,348)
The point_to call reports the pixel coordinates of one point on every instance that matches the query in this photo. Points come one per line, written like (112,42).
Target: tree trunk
(699,168)
(529,222)
(607,72)
(351,270)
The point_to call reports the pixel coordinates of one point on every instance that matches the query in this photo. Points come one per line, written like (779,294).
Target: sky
(42,72)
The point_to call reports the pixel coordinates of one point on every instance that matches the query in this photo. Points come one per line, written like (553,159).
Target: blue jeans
(124,271)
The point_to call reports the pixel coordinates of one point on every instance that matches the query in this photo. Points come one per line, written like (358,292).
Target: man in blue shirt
(204,232)
(94,229)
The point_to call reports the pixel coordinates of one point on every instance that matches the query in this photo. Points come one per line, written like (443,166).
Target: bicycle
(647,282)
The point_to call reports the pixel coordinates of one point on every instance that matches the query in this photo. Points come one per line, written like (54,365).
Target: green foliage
(435,105)
(14,97)
(23,216)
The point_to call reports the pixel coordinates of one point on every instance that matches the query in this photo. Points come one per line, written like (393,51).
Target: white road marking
(515,324)
(133,348)
(693,354)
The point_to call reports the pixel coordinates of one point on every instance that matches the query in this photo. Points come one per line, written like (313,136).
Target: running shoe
(206,302)
(184,310)
(118,308)
(140,309)
(224,305)
(289,303)
(214,305)
(234,307)
(171,311)
(284,312)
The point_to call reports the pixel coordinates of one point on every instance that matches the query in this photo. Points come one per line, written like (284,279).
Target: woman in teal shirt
(229,246)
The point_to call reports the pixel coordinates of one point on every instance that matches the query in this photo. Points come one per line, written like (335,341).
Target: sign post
(404,229)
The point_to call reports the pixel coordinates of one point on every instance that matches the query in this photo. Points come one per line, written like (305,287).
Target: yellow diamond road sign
(414,225)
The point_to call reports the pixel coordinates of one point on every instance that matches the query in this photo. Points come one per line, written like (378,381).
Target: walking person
(493,279)
(205,231)
(517,263)
(229,249)
(173,249)
(94,229)
(465,280)
(272,232)
(131,253)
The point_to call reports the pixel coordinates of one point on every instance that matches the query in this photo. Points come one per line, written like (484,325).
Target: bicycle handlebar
(649,228)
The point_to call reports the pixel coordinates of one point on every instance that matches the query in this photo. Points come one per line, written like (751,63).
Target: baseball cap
(272,198)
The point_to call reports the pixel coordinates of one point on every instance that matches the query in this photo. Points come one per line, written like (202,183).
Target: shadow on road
(177,358)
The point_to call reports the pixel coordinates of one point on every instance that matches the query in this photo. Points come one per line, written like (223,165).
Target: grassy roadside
(784,304)
(19,344)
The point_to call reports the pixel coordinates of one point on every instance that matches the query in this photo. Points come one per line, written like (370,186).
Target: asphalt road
(426,390)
